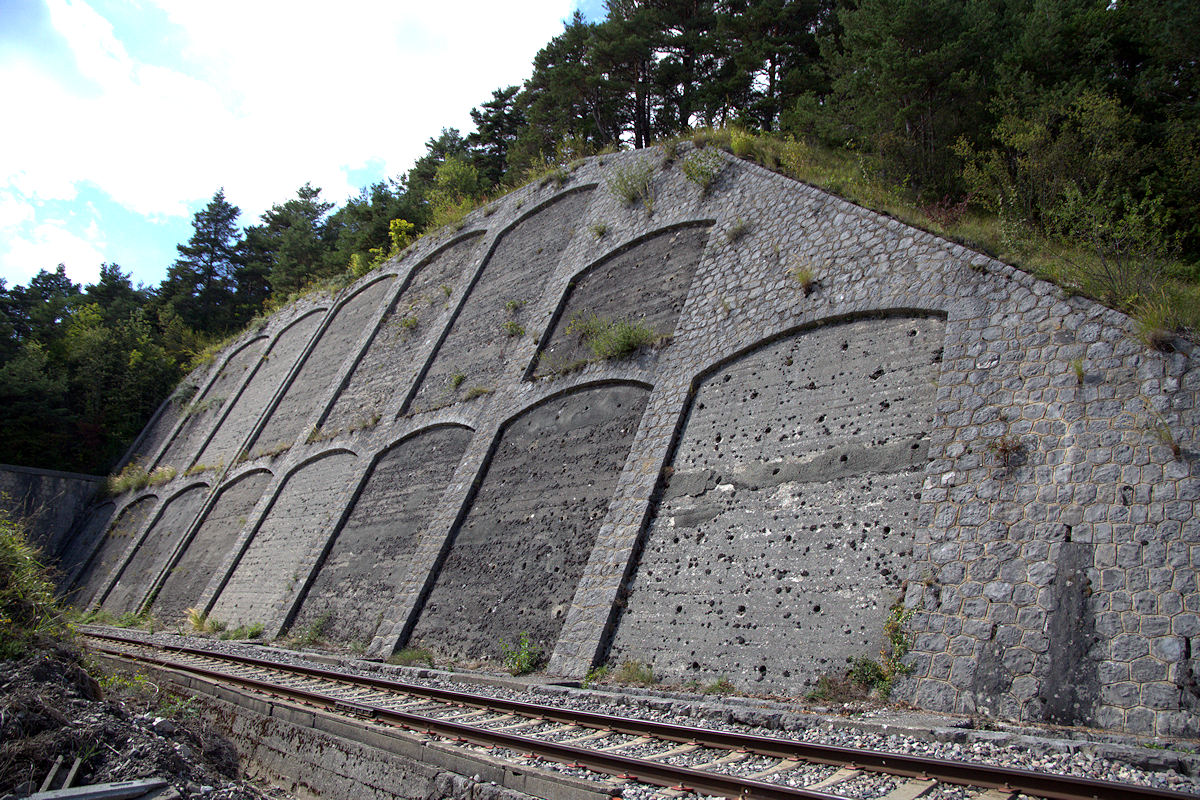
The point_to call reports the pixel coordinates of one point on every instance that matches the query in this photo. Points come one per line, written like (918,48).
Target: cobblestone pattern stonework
(1013,462)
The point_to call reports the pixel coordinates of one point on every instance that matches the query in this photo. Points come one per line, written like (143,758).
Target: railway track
(680,758)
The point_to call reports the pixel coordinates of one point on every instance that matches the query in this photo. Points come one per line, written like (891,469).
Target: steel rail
(1058,787)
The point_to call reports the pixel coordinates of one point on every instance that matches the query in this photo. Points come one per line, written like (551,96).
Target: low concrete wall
(49,503)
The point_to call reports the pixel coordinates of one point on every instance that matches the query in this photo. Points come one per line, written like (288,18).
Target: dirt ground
(122,727)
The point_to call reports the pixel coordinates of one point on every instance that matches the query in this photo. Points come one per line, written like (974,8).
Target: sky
(124,117)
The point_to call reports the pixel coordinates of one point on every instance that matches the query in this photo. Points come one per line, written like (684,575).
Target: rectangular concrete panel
(287,543)
(518,556)
(209,547)
(359,580)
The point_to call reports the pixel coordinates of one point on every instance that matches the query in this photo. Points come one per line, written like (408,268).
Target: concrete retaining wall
(437,458)
(48,503)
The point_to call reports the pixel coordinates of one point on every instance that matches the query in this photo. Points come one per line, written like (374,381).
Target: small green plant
(313,632)
(630,182)
(612,339)
(456,380)
(867,673)
(737,229)
(1156,323)
(200,406)
(1007,449)
(408,323)
(721,685)
(595,676)
(635,673)
(477,391)
(807,278)
(513,329)
(411,656)
(702,168)
(513,306)
(251,631)
(521,658)
(1161,430)
(598,229)
(1077,368)
(446,290)
(196,469)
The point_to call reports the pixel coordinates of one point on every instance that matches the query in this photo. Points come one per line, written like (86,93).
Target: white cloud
(28,251)
(263,97)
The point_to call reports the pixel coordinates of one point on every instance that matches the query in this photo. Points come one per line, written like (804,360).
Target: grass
(312,633)
(598,229)
(134,477)
(610,339)
(630,182)
(807,278)
(736,230)
(456,380)
(702,167)
(411,656)
(513,329)
(858,177)
(1007,449)
(634,673)
(1077,368)
(29,610)
(721,685)
(477,391)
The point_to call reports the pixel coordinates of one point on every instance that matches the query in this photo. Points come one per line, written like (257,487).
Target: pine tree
(201,285)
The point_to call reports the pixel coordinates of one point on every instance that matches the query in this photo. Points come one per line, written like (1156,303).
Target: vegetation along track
(680,757)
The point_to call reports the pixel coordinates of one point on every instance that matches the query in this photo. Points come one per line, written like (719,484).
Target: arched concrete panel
(288,541)
(780,539)
(645,280)
(111,550)
(137,575)
(75,552)
(389,362)
(210,545)
(478,343)
(521,550)
(320,372)
(198,414)
(358,580)
(226,441)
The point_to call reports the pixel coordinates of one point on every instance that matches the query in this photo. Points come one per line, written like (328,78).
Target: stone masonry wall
(918,422)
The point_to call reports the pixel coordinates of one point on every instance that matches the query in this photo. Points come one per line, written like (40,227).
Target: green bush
(521,658)
(631,182)
(612,339)
(28,608)
(702,168)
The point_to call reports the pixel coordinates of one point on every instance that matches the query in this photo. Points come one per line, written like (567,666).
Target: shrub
(514,329)
(630,182)
(612,339)
(521,658)
(702,168)
(28,609)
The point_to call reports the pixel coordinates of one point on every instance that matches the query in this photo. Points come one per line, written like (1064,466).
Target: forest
(1060,135)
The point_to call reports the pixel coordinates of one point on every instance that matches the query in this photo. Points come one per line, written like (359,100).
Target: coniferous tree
(201,285)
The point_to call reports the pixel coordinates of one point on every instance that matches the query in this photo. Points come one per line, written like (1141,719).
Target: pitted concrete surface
(210,546)
(646,283)
(201,412)
(275,365)
(935,430)
(111,550)
(483,335)
(321,369)
(372,553)
(88,534)
(784,531)
(518,556)
(277,562)
(142,568)
(385,367)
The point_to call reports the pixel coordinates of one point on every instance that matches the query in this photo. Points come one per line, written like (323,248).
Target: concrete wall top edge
(51,473)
